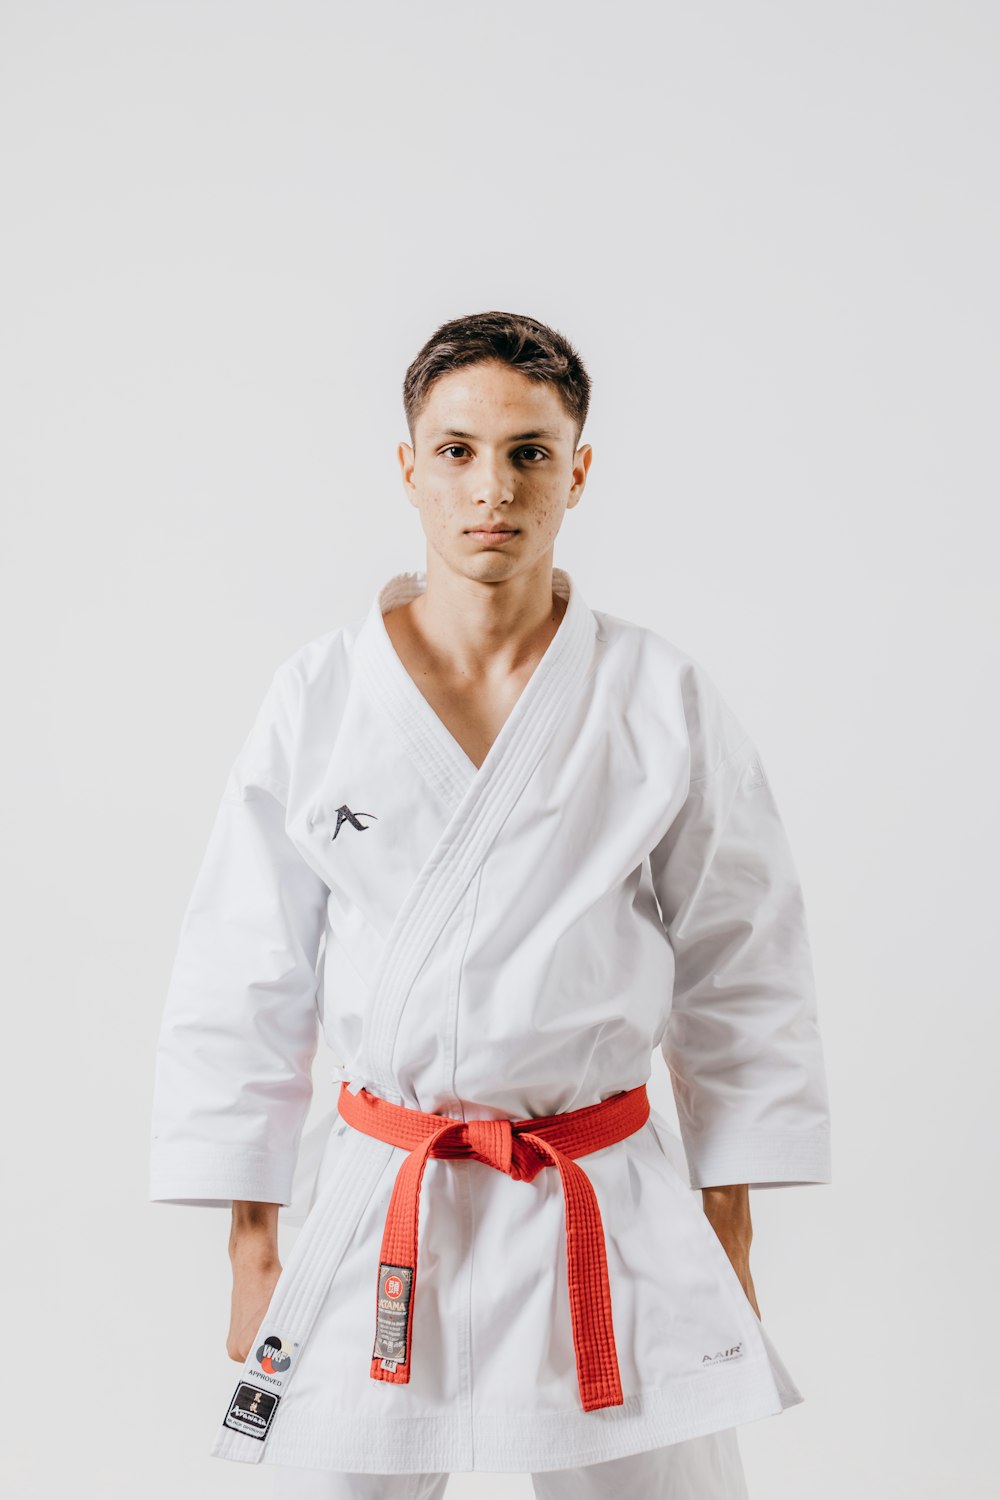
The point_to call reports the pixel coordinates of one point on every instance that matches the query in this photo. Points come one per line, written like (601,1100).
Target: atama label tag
(392,1325)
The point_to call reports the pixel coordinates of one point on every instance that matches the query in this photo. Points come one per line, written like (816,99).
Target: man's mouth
(499,537)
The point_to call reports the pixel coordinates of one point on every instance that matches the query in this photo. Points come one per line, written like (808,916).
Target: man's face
(493,449)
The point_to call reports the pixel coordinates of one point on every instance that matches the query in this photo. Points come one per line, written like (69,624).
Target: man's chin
(482,563)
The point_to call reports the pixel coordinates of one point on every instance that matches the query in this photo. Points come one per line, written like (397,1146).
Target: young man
(500,845)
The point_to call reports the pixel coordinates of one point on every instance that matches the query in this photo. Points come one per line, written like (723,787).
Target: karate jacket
(501,942)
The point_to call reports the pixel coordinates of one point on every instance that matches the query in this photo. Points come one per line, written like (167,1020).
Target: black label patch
(392,1325)
(251,1410)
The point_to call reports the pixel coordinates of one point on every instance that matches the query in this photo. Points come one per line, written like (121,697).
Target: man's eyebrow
(518,437)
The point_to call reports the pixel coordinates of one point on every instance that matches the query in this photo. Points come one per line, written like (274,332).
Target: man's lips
(498,538)
(492,531)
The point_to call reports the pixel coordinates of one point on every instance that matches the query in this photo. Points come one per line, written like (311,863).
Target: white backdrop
(772,232)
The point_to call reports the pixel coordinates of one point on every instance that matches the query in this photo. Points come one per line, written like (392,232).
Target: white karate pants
(701,1468)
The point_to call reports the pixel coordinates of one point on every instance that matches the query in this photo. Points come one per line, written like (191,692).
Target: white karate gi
(510,941)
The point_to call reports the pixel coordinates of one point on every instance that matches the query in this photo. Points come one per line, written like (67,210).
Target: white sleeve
(240,1026)
(742,1041)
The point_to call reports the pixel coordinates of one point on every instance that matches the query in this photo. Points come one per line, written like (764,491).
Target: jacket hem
(518,1442)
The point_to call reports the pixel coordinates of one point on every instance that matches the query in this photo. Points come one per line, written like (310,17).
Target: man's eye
(460,448)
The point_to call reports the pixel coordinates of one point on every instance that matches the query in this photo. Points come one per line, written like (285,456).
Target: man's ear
(407,458)
(581,467)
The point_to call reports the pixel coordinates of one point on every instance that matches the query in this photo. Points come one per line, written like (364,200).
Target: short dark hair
(522,342)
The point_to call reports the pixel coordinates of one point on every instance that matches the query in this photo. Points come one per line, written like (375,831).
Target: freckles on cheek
(440,509)
(439,513)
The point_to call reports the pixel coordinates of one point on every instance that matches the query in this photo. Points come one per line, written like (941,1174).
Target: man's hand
(253,1254)
(728,1211)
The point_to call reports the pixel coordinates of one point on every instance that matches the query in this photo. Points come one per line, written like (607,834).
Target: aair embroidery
(724,1354)
(344,815)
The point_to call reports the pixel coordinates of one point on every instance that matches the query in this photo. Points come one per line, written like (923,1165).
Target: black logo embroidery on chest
(344,815)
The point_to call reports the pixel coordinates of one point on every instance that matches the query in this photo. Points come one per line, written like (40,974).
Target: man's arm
(240,1024)
(253,1254)
(742,1040)
(728,1212)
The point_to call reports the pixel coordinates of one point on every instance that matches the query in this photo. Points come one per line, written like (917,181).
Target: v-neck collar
(478,801)
(443,761)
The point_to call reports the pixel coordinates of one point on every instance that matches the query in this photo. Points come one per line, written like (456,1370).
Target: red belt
(521,1148)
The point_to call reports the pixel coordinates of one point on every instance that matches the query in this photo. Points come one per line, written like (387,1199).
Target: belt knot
(491,1141)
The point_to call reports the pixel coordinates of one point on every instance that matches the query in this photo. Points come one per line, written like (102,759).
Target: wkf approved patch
(392,1324)
(274,1355)
(251,1410)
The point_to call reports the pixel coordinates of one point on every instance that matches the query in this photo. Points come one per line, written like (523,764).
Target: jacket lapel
(481,799)
(423,737)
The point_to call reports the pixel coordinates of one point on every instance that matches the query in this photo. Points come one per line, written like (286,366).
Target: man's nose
(493,484)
